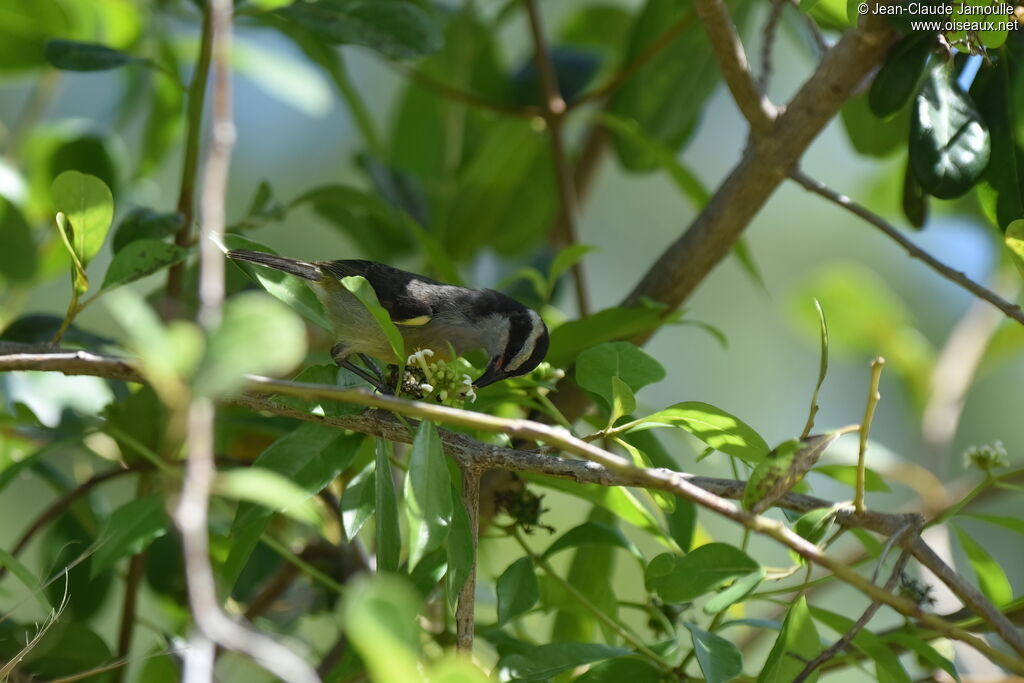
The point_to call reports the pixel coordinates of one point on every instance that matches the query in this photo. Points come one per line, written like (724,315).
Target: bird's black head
(524,347)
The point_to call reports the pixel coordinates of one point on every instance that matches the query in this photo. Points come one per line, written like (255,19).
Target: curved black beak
(492,374)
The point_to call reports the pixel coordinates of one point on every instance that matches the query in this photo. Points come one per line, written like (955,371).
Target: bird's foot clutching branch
(373,375)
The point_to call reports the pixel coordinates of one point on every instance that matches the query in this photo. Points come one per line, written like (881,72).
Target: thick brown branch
(709,239)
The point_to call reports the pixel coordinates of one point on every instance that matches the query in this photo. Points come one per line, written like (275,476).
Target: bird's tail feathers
(306,271)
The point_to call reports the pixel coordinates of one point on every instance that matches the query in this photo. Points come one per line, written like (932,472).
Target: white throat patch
(526,350)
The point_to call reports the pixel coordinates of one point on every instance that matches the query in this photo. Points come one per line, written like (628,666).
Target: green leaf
(88,206)
(720,661)
(459,547)
(667,94)
(389,537)
(398,29)
(165,120)
(997,92)
(428,494)
(815,524)
(682,523)
(619,501)
(621,669)
(902,74)
(597,366)
(517,590)
(914,199)
(1014,239)
(358,500)
(591,572)
(79,280)
(72,55)
(280,285)
(545,661)
(991,576)
(925,651)
(18,257)
(143,223)
(797,644)
(784,467)
(715,427)
(360,287)
(592,533)
(129,530)
(949,141)
(569,339)
(888,668)
(566,259)
(324,373)
(870,135)
(380,621)
(26,577)
(270,490)
(847,474)
(362,216)
(623,400)
(311,455)
(1015,524)
(683,578)
(257,335)
(737,592)
(139,259)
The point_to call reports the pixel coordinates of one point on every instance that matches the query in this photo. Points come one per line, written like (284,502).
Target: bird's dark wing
(392,286)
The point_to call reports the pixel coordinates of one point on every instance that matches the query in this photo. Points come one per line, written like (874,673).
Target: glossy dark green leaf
(569,339)
(592,533)
(72,55)
(282,286)
(667,94)
(682,523)
(517,590)
(797,644)
(783,468)
(256,335)
(545,661)
(139,259)
(997,93)
(389,537)
(18,256)
(398,29)
(991,576)
(719,660)
(949,141)
(715,427)
(428,494)
(596,367)
(682,578)
(902,74)
(143,223)
(129,530)
(914,199)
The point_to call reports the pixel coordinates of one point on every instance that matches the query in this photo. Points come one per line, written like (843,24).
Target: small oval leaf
(72,55)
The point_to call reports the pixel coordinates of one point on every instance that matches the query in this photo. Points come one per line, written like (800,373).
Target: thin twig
(1011,310)
(812,28)
(190,165)
(732,60)
(192,512)
(453,93)
(466,610)
(553,109)
(771,27)
(865,428)
(858,626)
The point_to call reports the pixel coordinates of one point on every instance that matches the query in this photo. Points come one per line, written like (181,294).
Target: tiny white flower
(426,387)
(419,358)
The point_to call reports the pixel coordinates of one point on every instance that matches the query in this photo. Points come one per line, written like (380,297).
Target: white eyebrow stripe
(526,350)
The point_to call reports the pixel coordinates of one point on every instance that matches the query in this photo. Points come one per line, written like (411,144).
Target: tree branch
(732,60)
(1010,309)
(553,109)
(604,468)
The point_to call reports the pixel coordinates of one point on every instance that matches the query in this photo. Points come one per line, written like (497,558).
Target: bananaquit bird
(429,314)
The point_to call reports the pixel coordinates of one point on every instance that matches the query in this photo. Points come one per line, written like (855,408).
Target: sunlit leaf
(715,427)
(428,494)
(389,539)
(719,660)
(797,644)
(130,528)
(87,204)
(682,578)
(139,259)
(991,576)
(270,490)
